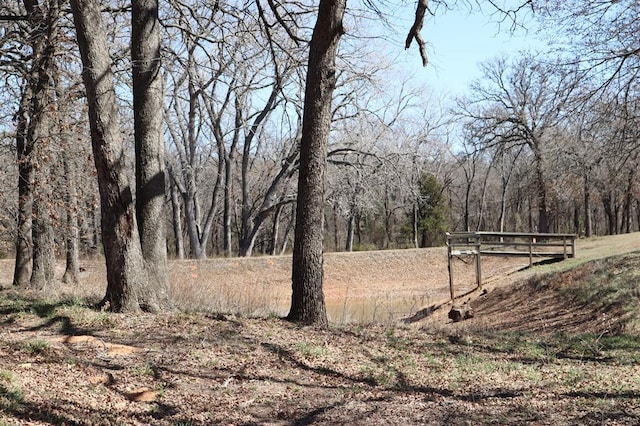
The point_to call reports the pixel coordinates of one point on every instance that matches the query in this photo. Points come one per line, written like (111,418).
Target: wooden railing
(531,245)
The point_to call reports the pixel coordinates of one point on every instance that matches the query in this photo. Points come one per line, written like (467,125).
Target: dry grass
(360,287)
(63,363)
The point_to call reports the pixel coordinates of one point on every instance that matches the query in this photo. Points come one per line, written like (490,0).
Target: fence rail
(531,245)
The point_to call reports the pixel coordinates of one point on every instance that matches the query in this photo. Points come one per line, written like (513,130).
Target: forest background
(541,141)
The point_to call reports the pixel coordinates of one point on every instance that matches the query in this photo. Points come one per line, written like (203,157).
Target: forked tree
(128,273)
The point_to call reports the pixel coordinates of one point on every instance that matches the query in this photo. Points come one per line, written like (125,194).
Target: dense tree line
(221,113)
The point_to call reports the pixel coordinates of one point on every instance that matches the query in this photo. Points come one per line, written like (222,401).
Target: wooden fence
(531,245)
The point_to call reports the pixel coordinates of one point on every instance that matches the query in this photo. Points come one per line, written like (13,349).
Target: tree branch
(8,18)
(414,32)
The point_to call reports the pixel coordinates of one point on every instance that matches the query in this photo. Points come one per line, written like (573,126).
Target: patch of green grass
(611,286)
(619,349)
(375,376)
(37,347)
(11,396)
(396,342)
(516,344)
(6,376)
(469,363)
(311,351)
(146,369)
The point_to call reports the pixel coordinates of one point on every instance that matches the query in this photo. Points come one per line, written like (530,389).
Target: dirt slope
(546,298)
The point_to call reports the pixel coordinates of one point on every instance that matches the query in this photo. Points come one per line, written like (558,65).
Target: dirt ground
(62,363)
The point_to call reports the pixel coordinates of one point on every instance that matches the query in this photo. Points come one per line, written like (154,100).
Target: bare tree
(520,104)
(123,254)
(149,150)
(600,36)
(307,300)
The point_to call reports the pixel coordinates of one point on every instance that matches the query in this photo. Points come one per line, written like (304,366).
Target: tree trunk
(628,203)
(39,135)
(503,208)
(24,241)
(44,256)
(588,226)
(307,300)
(415,225)
(69,166)
(42,276)
(226,221)
(608,211)
(275,230)
(336,229)
(467,203)
(351,225)
(72,231)
(123,255)
(177,220)
(287,232)
(543,208)
(149,148)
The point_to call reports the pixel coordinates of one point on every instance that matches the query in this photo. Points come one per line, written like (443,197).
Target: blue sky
(458,41)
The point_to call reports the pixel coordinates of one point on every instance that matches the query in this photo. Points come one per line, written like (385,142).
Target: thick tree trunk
(42,276)
(123,255)
(149,148)
(44,256)
(24,241)
(307,300)
(35,258)
(39,135)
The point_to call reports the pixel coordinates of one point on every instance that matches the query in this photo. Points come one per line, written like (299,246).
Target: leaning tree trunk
(149,148)
(307,300)
(123,255)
